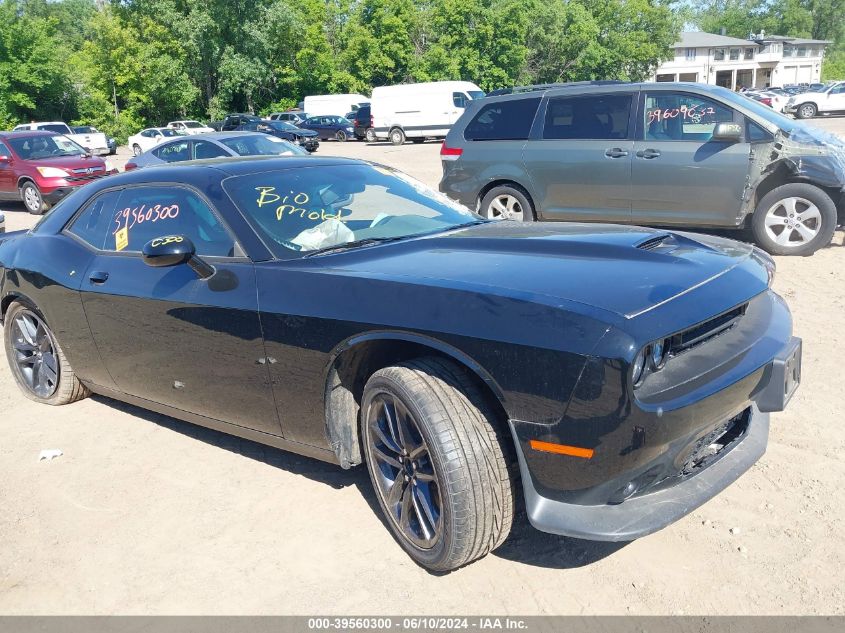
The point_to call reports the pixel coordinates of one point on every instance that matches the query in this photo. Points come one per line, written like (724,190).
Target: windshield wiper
(367,241)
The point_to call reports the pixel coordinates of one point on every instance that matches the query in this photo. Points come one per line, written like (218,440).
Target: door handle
(615,152)
(648,153)
(98,277)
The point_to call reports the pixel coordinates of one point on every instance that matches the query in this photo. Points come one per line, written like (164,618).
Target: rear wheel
(806,111)
(37,361)
(32,198)
(437,462)
(136,149)
(397,136)
(507,203)
(794,219)
(340,136)
(370,135)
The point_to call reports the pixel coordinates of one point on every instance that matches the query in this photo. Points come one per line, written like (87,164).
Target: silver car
(665,154)
(216,145)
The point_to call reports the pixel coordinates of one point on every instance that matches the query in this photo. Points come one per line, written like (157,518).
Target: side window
(678,116)
(756,134)
(145,213)
(93,224)
(204,149)
(503,121)
(460,99)
(4,151)
(588,117)
(838,90)
(173,152)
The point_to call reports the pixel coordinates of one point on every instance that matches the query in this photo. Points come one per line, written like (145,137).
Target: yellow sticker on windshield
(121,239)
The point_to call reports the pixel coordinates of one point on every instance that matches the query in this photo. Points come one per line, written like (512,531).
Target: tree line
(125,64)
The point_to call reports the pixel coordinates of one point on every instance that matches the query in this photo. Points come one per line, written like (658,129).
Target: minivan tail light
(372,121)
(450,153)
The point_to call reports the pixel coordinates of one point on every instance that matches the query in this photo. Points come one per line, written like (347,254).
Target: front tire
(32,198)
(806,111)
(437,461)
(37,360)
(794,219)
(507,203)
(397,136)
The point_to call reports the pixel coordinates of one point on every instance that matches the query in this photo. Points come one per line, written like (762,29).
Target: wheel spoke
(783,238)
(390,417)
(422,510)
(810,213)
(394,493)
(387,459)
(789,205)
(774,220)
(388,442)
(425,477)
(50,368)
(405,514)
(22,346)
(27,328)
(805,232)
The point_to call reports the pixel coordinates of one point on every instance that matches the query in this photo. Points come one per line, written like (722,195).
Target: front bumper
(643,515)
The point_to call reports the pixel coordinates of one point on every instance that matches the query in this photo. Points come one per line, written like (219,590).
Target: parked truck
(93,142)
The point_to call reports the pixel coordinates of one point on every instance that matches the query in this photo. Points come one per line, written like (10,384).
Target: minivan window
(681,116)
(503,121)
(588,117)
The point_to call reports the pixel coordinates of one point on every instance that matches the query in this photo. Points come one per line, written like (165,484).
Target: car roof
(25,133)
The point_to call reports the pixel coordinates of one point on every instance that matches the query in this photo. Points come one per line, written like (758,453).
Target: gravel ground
(146,514)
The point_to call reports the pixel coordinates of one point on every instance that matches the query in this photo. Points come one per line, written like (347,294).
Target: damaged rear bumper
(648,513)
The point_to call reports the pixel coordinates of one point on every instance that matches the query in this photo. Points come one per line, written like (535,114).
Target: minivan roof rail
(568,84)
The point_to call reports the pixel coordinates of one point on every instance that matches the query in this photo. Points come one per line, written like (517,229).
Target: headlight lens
(109,166)
(658,353)
(638,367)
(52,172)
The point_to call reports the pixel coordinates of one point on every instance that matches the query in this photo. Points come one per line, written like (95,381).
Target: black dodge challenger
(342,310)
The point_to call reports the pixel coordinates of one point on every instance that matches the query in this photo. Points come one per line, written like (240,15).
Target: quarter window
(588,117)
(503,121)
(677,116)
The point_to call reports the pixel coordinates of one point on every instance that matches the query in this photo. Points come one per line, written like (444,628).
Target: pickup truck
(827,100)
(94,143)
(234,121)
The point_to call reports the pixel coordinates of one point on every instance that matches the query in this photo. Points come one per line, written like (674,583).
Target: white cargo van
(420,111)
(338,105)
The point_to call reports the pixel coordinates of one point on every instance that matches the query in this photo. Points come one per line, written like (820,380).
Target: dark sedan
(284,130)
(344,311)
(330,127)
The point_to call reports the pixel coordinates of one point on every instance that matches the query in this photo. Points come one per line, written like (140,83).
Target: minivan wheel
(507,203)
(32,198)
(794,219)
(437,462)
(136,149)
(36,359)
(807,111)
(370,135)
(397,136)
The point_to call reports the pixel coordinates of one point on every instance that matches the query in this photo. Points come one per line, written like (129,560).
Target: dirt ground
(144,514)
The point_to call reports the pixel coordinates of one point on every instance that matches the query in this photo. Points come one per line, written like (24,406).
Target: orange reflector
(561,449)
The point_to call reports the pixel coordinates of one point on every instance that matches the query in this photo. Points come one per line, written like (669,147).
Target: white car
(828,100)
(2,222)
(189,127)
(149,138)
(94,142)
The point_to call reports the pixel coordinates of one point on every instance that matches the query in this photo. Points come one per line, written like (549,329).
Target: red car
(40,168)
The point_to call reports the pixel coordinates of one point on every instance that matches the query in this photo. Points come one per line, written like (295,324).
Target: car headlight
(638,367)
(52,172)
(766,261)
(659,351)
(349,129)
(109,166)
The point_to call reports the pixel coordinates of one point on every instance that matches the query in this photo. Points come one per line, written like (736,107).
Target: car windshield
(262,145)
(168,132)
(84,129)
(315,208)
(281,125)
(476,94)
(193,124)
(44,146)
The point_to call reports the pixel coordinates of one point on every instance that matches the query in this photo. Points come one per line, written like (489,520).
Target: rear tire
(507,202)
(32,198)
(397,136)
(340,137)
(455,483)
(37,360)
(794,219)
(370,135)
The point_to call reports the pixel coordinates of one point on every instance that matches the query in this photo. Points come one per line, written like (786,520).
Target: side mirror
(173,250)
(728,132)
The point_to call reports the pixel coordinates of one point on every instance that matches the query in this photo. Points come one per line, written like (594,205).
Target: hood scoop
(666,240)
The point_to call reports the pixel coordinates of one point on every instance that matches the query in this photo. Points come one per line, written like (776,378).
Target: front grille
(85,178)
(705,331)
(712,445)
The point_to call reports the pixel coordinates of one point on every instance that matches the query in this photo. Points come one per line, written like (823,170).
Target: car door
(835,101)
(166,335)
(680,176)
(8,184)
(580,160)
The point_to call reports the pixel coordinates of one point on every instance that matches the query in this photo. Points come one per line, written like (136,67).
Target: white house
(757,62)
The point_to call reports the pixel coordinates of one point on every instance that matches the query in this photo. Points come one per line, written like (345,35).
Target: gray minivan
(664,154)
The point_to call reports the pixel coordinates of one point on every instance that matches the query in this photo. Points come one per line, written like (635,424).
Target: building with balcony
(760,61)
